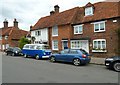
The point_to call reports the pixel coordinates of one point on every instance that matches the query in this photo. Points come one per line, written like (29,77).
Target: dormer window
(88,11)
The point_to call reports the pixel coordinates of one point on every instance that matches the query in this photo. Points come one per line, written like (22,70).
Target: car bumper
(108,63)
(45,56)
(85,61)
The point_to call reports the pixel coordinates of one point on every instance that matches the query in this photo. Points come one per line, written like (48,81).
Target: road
(28,70)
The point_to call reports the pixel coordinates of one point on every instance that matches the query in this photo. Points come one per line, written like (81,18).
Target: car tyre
(13,54)
(37,57)
(116,66)
(52,59)
(76,62)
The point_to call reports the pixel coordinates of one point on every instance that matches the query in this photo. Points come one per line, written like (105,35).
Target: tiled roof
(102,10)
(13,32)
(17,34)
(5,31)
(62,18)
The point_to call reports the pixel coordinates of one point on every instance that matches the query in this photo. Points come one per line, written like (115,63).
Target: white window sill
(77,33)
(99,51)
(89,15)
(100,31)
(55,49)
(54,35)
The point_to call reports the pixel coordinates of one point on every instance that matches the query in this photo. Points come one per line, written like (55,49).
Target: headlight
(44,53)
(111,59)
(16,51)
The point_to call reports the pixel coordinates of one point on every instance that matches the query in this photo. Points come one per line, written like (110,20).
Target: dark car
(13,51)
(113,63)
(77,56)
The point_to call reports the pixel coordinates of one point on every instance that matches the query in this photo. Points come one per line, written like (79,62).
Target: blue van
(37,51)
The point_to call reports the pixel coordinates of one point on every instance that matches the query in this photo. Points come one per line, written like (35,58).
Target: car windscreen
(17,49)
(83,51)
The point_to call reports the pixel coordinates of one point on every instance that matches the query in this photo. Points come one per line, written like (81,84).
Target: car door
(72,54)
(62,56)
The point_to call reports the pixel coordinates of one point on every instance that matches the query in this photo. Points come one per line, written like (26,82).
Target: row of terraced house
(91,27)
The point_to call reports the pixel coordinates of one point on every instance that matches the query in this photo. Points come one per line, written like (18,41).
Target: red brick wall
(110,36)
(63,32)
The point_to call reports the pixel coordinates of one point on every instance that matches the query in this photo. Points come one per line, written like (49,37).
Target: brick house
(9,36)
(91,27)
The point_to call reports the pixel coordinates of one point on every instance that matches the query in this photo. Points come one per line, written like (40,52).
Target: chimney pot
(52,12)
(56,8)
(15,23)
(5,23)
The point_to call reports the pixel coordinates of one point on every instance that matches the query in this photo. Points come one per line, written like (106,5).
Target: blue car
(75,56)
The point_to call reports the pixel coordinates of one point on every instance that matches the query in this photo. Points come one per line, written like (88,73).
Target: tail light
(84,56)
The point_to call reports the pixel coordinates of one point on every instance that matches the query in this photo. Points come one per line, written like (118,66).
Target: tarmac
(94,60)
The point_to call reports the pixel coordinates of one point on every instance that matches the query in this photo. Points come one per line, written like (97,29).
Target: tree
(23,41)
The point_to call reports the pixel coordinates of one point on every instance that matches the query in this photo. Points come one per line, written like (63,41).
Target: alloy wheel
(116,66)
(52,59)
(76,62)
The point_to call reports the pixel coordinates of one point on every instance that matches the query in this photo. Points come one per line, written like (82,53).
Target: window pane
(95,44)
(55,44)
(103,45)
(89,11)
(99,44)
(55,30)
(102,26)
(96,27)
(80,29)
(76,29)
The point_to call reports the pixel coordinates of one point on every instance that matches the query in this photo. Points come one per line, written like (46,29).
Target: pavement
(97,61)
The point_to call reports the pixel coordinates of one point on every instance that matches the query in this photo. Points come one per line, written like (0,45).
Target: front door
(85,45)
(65,44)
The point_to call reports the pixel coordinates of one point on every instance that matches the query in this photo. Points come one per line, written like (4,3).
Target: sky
(28,12)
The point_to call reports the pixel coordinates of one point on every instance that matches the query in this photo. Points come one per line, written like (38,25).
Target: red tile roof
(102,10)
(62,18)
(13,32)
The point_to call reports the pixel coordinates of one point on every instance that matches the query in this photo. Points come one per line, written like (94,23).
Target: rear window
(83,51)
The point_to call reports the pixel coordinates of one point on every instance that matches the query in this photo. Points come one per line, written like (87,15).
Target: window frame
(101,49)
(99,29)
(53,46)
(78,29)
(88,9)
(38,32)
(53,28)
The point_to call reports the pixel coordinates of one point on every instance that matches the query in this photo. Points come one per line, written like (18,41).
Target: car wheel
(116,66)
(37,57)
(52,59)
(13,54)
(25,56)
(76,62)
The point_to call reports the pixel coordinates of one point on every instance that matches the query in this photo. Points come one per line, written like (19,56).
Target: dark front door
(65,44)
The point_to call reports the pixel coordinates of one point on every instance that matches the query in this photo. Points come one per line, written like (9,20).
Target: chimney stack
(56,8)
(5,24)
(52,12)
(15,23)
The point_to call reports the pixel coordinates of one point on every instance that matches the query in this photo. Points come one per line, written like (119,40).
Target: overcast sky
(27,12)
